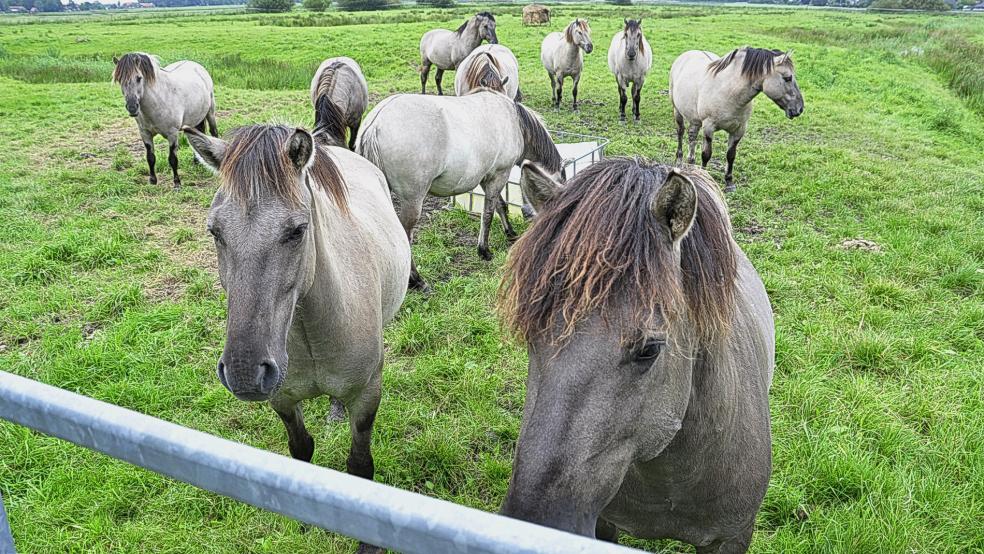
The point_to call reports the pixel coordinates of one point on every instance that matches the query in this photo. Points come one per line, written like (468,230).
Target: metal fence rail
(335,501)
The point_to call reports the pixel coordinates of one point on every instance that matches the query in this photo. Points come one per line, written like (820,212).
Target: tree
(270,5)
(316,5)
(357,5)
(926,5)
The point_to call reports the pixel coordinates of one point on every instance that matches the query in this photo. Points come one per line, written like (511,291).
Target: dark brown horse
(651,349)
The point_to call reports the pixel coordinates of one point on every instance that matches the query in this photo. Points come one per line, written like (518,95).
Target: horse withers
(314,262)
(713,93)
(629,59)
(164,100)
(651,351)
(446,49)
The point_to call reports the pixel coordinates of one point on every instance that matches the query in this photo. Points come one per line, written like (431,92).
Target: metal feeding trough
(578,152)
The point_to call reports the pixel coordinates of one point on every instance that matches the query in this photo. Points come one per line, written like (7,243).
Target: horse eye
(650,350)
(215,234)
(787,78)
(296,233)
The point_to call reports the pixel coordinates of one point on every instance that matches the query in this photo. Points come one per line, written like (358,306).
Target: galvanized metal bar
(6,538)
(368,511)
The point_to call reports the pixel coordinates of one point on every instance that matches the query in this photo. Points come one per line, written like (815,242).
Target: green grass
(108,285)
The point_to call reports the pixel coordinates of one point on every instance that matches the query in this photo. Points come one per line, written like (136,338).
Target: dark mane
(133,64)
(487,15)
(256,164)
(329,122)
(484,72)
(757,63)
(597,247)
(538,146)
(632,24)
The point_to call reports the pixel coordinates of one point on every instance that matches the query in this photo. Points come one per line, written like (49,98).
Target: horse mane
(132,64)
(537,144)
(486,74)
(256,164)
(631,25)
(329,122)
(758,62)
(597,246)
(569,31)
(487,15)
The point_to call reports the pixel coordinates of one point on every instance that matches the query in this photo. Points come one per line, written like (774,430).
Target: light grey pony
(651,352)
(446,49)
(629,59)
(471,140)
(340,95)
(713,93)
(506,63)
(562,55)
(314,262)
(165,100)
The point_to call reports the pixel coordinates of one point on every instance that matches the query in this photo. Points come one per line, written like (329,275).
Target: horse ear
(116,61)
(537,185)
(625,21)
(300,149)
(505,80)
(675,205)
(211,151)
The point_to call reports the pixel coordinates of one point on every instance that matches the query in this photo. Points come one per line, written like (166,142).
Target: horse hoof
(177,185)
(421,286)
(730,187)
(485,253)
(153,180)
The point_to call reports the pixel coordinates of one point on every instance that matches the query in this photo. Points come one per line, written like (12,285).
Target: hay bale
(536,14)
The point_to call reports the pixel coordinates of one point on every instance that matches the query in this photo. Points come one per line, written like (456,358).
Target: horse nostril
(220,372)
(267,376)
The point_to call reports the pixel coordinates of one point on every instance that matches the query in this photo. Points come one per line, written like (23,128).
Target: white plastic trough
(576,155)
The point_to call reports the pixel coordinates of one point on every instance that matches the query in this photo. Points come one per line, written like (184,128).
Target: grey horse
(651,352)
(446,49)
(314,262)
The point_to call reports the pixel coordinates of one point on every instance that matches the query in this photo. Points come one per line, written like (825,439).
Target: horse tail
(329,122)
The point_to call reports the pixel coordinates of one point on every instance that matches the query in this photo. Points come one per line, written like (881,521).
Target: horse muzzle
(248,381)
(794,112)
(588,48)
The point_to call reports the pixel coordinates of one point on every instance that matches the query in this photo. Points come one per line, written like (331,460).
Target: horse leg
(705,151)
(577,79)
(299,441)
(213,128)
(636,97)
(622,99)
(353,132)
(553,89)
(560,91)
(492,186)
(692,141)
(733,140)
(172,158)
(502,208)
(362,415)
(408,211)
(148,141)
(438,76)
(425,67)
(680,128)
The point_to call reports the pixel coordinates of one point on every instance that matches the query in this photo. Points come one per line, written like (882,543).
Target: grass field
(108,285)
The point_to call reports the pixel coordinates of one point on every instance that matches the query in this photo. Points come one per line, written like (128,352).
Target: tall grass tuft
(958,62)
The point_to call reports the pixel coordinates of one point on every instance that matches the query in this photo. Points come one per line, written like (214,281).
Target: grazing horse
(446,49)
(339,95)
(165,100)
(630,58)
(506,63)
(314,263)
(713,93)
(471,140)
(562,55)
(651,352)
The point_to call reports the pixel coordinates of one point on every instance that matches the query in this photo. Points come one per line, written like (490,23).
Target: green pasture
(108,285)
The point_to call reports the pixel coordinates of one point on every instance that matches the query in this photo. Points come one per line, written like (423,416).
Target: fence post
(6,539)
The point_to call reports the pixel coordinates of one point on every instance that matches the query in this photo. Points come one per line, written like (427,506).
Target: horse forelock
(597,248)
(537,144)
(757,62)
(486,15)
(256,165)
(133,64)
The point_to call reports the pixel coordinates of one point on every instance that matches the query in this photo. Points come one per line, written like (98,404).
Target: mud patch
(864,245)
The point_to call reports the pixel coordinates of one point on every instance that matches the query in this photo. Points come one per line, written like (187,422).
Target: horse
(472,140)
(339,95)
(164,100)
(713,93)
(630,58)
(562,55)
(314,263)
(446,49)
(506,63)
(651,352)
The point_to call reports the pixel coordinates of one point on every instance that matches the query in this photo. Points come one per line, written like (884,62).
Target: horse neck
(154,95)
(742,89)
(326,288)
(570,51)
(469,39)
